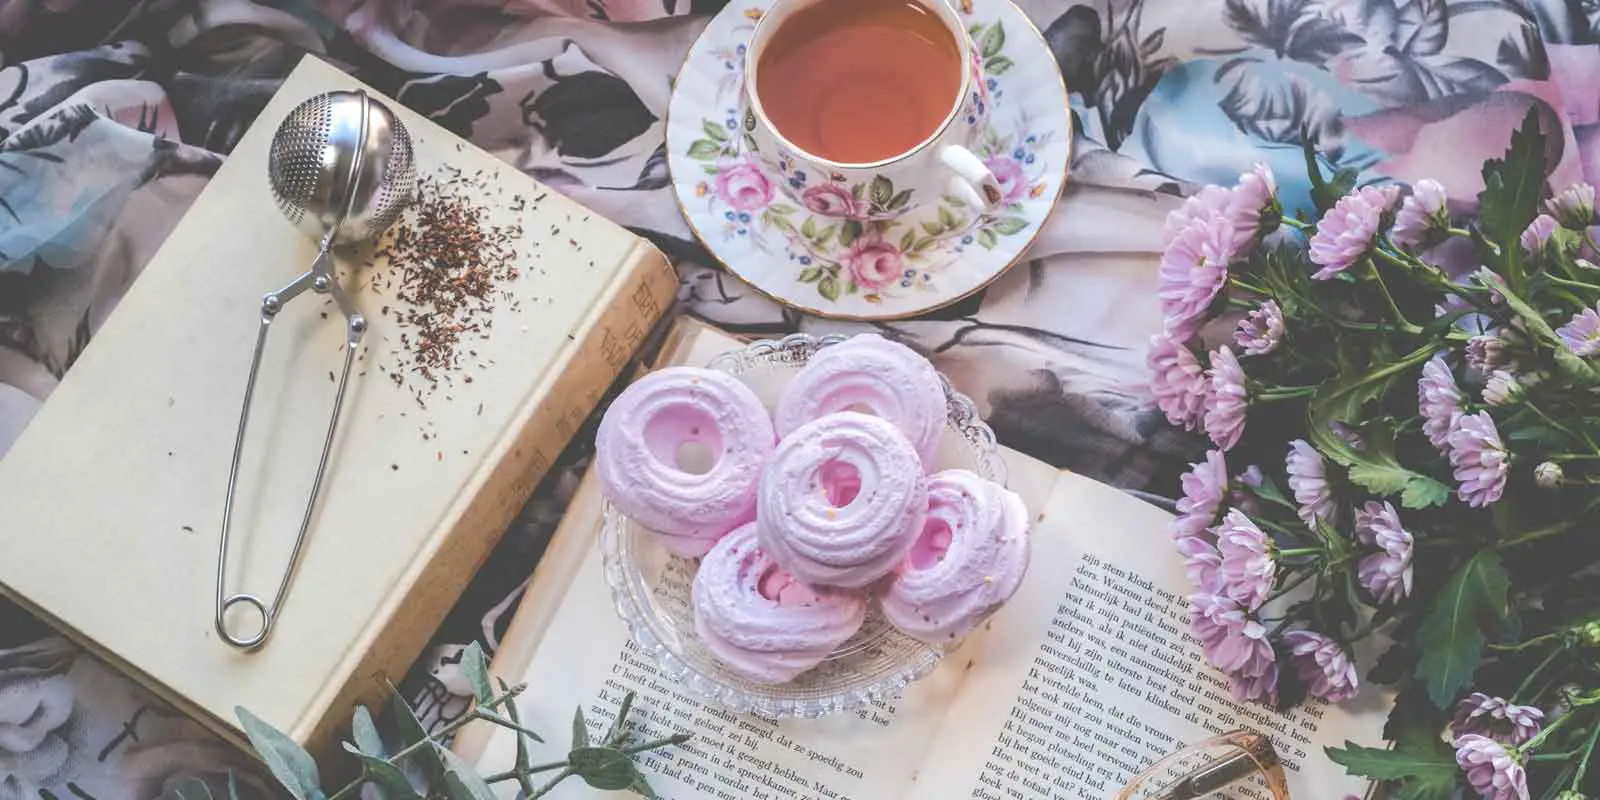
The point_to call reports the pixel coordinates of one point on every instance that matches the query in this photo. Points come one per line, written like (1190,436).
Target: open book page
(585,658)
(1089,674)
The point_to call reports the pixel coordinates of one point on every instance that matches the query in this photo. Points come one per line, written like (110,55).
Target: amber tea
(858,81)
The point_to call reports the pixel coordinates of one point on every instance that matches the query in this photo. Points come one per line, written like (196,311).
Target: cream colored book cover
(1087,675)
(114,493)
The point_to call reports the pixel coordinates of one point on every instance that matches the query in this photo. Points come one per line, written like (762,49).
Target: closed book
(114,494)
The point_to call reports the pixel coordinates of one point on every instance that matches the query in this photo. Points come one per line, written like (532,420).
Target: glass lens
(1239,765)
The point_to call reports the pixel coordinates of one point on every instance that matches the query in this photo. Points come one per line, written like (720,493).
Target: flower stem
(1291,586)
(1537,533)
(1453,231)
(1291,222)
(1528,681)
(1283,393)
(1299,551)
(1383,286)
(1588,751)
(545,789)
(1249,287)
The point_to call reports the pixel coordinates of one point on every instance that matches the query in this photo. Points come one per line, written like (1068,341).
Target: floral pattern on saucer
(861,249)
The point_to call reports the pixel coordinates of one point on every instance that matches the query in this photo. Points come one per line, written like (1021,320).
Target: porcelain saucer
(885,266)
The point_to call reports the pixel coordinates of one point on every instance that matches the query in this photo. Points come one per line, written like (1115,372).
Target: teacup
(895,126)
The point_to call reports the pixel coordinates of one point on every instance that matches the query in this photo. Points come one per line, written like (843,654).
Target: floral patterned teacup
(941,165)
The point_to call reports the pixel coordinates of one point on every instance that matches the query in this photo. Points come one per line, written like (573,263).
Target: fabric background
(114,115)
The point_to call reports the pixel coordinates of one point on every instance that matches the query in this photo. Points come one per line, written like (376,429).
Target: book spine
(642,293)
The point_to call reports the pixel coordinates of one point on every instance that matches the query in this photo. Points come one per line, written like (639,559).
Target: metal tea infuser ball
(341,170)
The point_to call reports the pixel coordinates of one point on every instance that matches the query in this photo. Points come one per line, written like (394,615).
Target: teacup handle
(972,181)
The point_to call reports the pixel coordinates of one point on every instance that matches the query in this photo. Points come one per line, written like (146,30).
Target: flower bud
(1570,794)
(1548,474)
(1574,206)
(1588,633)
(1502,389)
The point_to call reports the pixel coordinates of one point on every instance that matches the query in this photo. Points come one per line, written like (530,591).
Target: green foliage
(1513,184)
(1451,637)
(607,764)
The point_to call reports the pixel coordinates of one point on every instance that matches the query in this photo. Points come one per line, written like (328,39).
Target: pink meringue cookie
(969,560)
(842,500)
(637,448)
(760,621)
(867,371)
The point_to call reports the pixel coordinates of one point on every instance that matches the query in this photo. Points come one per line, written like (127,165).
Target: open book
(1085,677)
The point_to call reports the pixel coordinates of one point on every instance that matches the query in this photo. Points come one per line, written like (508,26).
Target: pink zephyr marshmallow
(886,379)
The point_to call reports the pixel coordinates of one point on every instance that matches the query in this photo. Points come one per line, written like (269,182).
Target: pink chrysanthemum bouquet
(1401,449)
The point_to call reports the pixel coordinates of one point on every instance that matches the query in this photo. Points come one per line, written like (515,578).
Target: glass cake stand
(651,587)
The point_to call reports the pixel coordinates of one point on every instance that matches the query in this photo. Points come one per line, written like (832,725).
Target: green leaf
(1384,476)
(825,234)
(618,730)
(288,762)
(809,228)
(987,238)
(1434,786)
(810,274)
(1391,765)
(857,190)
(605,768)
(365,732)
(850,232)
(829,288)
(462,782)
(953,201)
(908,239)
(882,191)
(715,131)
(386,775)
(1009,226)
(580,731)
(782,208)
(704,149)
(993,40)
(476,669)
(1514,183)
(932,228)
(1575,368)
(642,787)
(900,200)
(998,65)
(950,221)
(1451,637)
(710,170)
(191,789)
(850,287)
(411,732)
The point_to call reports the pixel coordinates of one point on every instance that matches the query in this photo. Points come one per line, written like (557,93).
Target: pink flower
(1226,404)
(1259,684)
(1230,638)
(1177,380)
(1261,330)
(1581,334)
(1013,181)
(1345,233)
(1386,573)
(1193,269)
(1203,488)
(1574,206)
(1255,194)
(1420,214)
(1438,400)
(1479,459)
(832,200)
(1212,201)
(1308,480)
(1538,233)
(1247,563)
(743,186)
(1501,388)
(1486,352)
(1493,773)
(1328,671)
(1479,714)
(1202,563)
(1244,495)
(873,263)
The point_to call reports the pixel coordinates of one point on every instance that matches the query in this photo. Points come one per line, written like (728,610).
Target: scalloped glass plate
(650,586)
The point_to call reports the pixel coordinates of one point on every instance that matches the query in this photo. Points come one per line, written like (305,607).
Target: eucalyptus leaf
(618,729)
(462,782)
(580,730)
(1451,637)
(288,762)
(411,732)
(386,775)
(602,767)
(476,669)
(365,732)
(642,787)
(191,789)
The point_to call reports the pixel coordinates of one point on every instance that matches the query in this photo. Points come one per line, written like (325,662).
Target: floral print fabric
(113,116)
